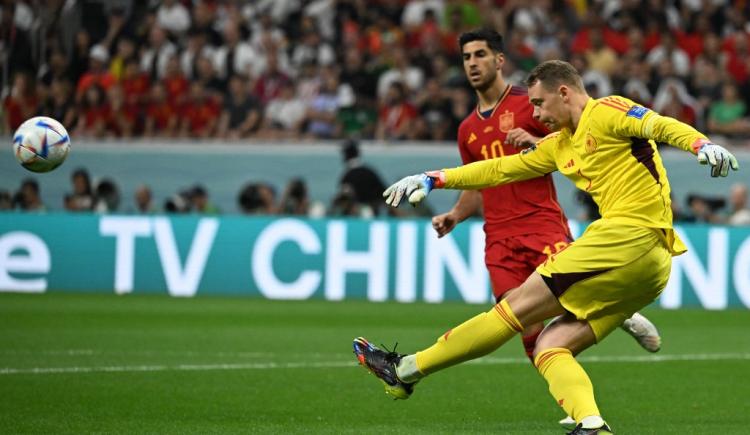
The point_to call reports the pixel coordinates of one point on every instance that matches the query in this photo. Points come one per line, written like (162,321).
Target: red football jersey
(523,207)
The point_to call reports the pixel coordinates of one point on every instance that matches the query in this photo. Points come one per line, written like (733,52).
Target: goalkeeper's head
(557,93)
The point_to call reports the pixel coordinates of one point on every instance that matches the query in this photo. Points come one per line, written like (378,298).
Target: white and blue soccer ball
(41,144)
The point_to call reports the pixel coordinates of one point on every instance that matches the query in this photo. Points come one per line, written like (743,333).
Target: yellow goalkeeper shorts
(609,273)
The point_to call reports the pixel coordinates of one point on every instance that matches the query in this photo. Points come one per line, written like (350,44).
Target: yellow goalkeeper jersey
(612,155)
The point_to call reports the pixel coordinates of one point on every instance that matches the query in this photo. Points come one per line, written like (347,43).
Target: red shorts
(510,261)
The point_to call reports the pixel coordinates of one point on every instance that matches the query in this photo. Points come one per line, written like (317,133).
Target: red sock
(528,344)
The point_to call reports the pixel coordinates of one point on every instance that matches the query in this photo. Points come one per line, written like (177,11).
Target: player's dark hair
(494,39)
(554,73)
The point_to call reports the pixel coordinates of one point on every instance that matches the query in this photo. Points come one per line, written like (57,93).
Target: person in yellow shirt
(621,263)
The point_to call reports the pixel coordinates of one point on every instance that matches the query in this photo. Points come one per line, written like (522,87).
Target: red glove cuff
(438,176)
(698,144)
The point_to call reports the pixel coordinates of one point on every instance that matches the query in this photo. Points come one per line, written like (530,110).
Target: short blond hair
(554,73)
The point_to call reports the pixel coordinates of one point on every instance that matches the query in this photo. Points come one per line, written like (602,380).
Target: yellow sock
(476,337)
(568,382)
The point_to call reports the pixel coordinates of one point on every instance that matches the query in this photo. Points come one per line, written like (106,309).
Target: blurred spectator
(199,117)
(199,201)
(59,104)
(402,71)
(143,199)
(284,114)
(206,75)
(706,82)
(322,110)
(15,41)
(95,114)
(124,115)
(269,84)
(56,68)
(360,77)
(197,47)
(79,61)
(28,197)
(667,50)
(678,215)
(125,53)
(308,81)
(161,116)
(204,18)
(582,38)
(235,56)
(366,185)
(242,113)
(257,198)
(704,209)
(156,55)
(345,203)
(312,49)
(728,116)
(82,197)
(98,74)
(177,203)
(173,17)
(357,120)
(436,121)
(175,82)
(134,83)
(599,56)
(422,19)
(397,116)
(296,201)
(265,33)
(22,103)
(6,200)
(738,53)
(740,212)
(672,99)
(107,196)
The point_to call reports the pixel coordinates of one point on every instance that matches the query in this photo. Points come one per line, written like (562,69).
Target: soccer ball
(41,144)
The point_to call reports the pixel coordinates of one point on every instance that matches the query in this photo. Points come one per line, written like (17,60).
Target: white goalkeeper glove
(718,157)
(414,187)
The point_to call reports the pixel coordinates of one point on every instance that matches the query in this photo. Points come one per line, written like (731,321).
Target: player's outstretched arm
(532,163)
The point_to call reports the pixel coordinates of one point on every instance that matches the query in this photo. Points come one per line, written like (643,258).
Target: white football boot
(644,332)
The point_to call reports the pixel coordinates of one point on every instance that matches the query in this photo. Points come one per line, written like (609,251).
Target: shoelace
(391,354)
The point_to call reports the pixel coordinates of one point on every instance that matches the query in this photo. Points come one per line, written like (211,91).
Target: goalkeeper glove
(717,156)
(414,187)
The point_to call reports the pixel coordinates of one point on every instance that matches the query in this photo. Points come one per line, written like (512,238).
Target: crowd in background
(385,69)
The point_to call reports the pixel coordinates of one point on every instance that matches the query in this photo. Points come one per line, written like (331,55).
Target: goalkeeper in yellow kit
(619,265)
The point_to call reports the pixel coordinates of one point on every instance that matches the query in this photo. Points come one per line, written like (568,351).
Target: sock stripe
(543,360)
(508,316)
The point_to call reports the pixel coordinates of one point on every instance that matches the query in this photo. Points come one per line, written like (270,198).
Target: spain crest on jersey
(506,122)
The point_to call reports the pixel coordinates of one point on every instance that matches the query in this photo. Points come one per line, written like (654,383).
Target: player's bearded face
(481,64)
(484,75)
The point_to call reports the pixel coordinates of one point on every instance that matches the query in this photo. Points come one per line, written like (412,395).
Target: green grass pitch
(159,365)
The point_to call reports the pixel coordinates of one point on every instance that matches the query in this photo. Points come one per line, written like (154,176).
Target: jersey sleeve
(628,119)
(531,163)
